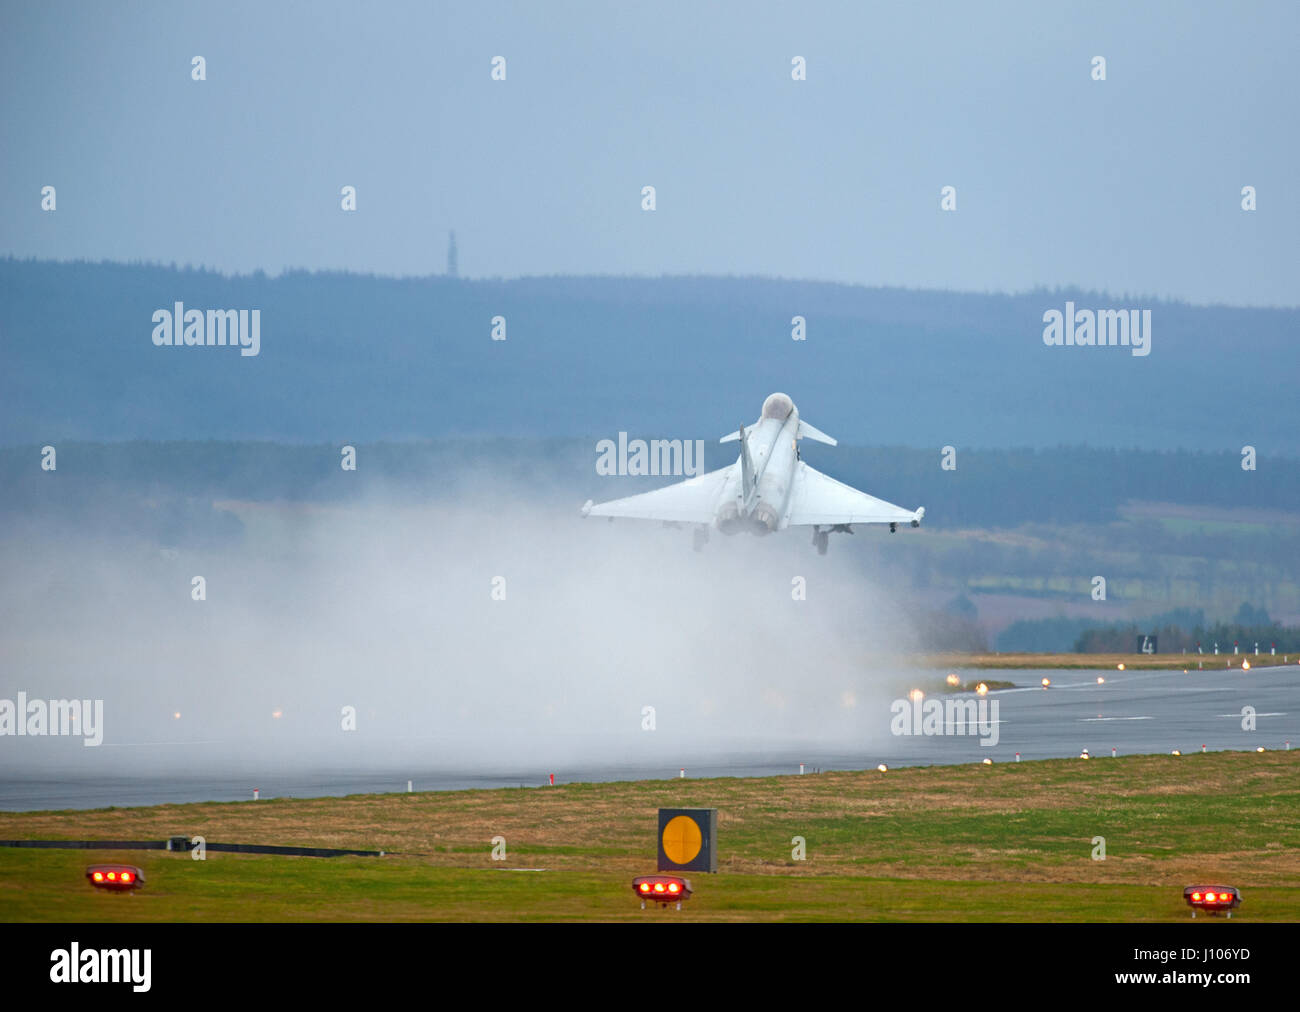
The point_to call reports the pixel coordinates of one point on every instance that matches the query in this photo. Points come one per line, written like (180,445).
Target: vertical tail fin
(746,466)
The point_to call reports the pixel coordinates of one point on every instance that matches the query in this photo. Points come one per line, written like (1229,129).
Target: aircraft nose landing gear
(821,539)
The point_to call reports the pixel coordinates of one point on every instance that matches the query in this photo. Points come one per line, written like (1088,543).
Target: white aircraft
(767,489)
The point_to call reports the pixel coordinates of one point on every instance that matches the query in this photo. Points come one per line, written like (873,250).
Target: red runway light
(662,889)
(115,877)
(1215,900)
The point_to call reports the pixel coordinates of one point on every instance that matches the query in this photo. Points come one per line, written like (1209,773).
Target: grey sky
(1131,185)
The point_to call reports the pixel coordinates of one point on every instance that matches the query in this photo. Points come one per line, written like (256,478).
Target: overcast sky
(1130,185)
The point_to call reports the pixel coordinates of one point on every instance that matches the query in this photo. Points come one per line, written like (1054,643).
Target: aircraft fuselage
(771,447)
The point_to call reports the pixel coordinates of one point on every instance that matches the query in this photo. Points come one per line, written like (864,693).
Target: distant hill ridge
(348,357)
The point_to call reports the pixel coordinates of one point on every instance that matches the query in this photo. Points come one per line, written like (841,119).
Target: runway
(1131,712)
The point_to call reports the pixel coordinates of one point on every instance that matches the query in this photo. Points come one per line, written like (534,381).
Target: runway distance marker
(682,839)
(688,839)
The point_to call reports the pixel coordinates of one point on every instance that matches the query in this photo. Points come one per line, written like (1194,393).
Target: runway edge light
(662,889)
(1213,899)
(688,839)
(117,877)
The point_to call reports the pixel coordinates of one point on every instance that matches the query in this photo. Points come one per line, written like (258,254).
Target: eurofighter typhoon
(767,489)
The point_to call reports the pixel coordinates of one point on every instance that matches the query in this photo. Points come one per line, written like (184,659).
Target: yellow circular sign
(682,839)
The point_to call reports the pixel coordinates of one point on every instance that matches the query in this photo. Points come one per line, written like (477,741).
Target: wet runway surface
(1131,712)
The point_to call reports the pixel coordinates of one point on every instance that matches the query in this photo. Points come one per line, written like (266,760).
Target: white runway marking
(1239,715)
(1118,718)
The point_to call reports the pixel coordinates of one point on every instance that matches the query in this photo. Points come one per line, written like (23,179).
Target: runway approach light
(1100,680)
(663,889)
(115,877)
(1119,667)
(1175,752)
(1260,749)
(1084,754)
(916,695)
(688,839)
(954,680)
(883,768)
(981,689)
(1245,665)
(988,762)
(1213,899)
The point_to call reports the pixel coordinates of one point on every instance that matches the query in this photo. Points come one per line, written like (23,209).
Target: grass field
(1102,662)
(1005,842)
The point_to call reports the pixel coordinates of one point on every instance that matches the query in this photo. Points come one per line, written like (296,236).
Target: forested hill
(988,489)
(346,357)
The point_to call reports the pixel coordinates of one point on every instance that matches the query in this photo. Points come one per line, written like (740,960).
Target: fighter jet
(767,489)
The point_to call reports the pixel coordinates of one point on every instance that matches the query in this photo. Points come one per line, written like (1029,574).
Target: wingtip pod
(586,508)
(730,437)
(920,515)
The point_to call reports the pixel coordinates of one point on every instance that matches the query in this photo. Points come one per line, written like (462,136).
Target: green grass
(242,887)
(1101,662)
(1004,842)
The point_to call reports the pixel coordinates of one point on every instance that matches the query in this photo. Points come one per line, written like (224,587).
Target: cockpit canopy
(778,406)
